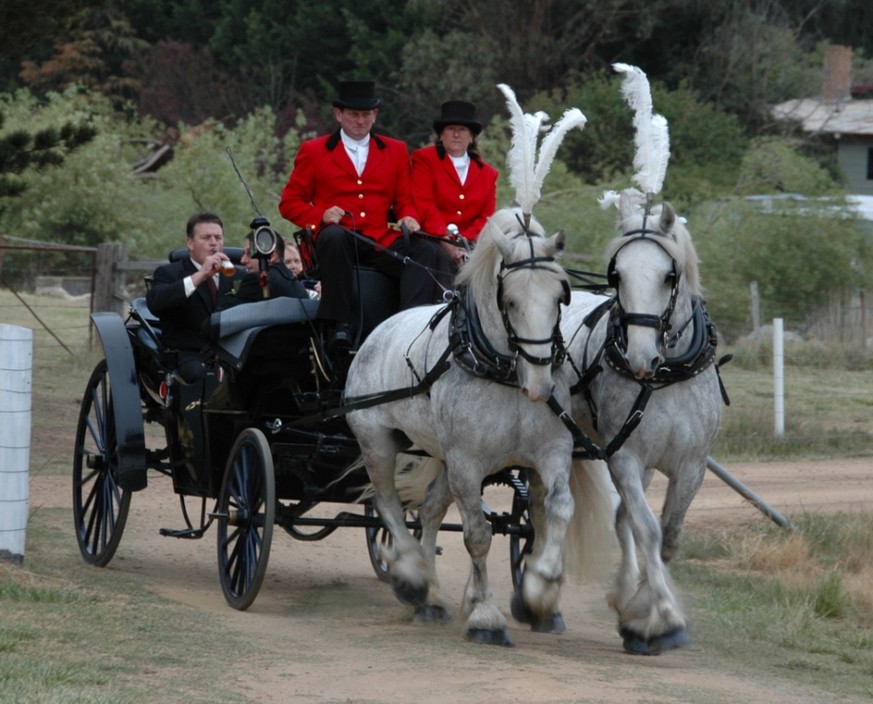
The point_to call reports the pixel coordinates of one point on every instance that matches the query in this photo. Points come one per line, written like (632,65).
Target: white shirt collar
(355,143)
(462,165)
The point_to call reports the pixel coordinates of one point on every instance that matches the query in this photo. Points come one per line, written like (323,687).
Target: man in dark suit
(184,293)
(348,181)
(279,278)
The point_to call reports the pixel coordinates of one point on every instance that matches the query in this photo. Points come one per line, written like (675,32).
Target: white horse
(647,356)
(478,417)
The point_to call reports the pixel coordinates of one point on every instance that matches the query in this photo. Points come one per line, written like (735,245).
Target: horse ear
(502,243)
(559,240)
(668,218)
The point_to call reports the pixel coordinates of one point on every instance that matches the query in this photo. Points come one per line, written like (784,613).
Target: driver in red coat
(348,181)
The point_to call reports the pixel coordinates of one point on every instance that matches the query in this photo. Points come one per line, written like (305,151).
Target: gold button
(360,182)
(461,196)
(361,196)
(458,212)
(362,215)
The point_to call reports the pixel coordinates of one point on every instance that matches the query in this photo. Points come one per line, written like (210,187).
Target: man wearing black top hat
(348,181)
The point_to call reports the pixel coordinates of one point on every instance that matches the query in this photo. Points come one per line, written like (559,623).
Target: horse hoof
(410,594)
(488,637)
(431,613)
(553,623)
(671,640)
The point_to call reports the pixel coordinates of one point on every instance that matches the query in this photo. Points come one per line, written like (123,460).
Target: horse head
(518,287)
(654,270)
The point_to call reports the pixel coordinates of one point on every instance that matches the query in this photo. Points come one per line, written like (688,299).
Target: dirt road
(330,632)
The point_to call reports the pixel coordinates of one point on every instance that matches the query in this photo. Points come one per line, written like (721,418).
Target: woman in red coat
(451,184)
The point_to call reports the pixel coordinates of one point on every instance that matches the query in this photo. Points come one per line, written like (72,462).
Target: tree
(98,42)
(23,150)
(180,83)
(706,144)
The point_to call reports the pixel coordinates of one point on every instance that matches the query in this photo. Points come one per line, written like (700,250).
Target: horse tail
(591,532)
(412,475)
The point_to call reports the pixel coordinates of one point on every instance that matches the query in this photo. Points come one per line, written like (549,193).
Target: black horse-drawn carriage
(259,442)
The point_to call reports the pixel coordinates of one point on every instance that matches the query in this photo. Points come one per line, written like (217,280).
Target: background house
(843,114)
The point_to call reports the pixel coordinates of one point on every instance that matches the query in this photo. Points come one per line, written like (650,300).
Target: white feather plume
(522,150)
(570,119)
(651,133)
(526,172)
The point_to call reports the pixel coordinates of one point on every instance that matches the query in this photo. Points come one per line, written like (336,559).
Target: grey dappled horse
(477,426)
(653,337)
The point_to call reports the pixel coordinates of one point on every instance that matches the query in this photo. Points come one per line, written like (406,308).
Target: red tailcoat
(441,199)
(324,176)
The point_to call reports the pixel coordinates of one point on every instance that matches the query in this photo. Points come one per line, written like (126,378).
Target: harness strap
(369,400)
(585,448)
(590,450)
(632,421)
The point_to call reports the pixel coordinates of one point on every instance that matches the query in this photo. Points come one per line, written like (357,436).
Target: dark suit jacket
(181,317)
(282,283)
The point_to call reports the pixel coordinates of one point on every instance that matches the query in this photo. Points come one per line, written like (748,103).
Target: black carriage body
(266,377)
(253,436)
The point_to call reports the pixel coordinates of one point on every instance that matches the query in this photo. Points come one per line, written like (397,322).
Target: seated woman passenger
(295,265)
(451,184)
(279,279)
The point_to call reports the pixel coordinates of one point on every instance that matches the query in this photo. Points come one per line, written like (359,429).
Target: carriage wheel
(100,505)
(246,513)
(379,537)
(520,544)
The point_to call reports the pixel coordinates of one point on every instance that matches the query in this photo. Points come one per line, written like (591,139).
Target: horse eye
(670,278)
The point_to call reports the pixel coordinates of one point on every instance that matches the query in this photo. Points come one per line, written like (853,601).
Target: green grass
(74,634)
(782,600)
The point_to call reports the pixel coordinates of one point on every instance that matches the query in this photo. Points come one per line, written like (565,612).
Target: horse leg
(408,569)
(627,580)
(551,509)
(651,621)
(484,622)
(437,500)
(681,489)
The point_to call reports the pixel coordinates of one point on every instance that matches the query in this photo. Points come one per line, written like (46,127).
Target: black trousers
(422,281)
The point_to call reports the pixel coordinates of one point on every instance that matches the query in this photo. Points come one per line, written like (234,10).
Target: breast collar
(473,352)
(700,353)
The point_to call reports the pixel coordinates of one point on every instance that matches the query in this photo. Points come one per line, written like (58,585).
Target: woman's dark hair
(472,150)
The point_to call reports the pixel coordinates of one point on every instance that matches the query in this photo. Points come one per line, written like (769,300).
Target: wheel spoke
(100,505)
(248,492)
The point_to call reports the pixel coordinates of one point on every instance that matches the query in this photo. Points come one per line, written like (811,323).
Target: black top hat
(457,112)
(357,95)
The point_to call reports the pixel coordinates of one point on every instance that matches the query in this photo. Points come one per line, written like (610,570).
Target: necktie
(213,289)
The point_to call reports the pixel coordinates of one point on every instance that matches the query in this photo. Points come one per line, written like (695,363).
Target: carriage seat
(149,331)
(234,330)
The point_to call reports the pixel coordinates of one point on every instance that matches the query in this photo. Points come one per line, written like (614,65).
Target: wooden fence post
(756,310)
(109,278)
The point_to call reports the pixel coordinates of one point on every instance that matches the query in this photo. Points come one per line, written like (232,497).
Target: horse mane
(677,242)
(478,271)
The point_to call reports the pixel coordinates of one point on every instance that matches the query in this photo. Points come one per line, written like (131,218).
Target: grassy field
(802,598)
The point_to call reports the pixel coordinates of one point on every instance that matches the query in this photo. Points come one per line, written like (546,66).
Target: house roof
(826,116)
